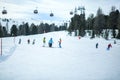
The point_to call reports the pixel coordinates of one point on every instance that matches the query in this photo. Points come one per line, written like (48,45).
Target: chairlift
(35,11)
(4,11)
(71,13)
(51,14)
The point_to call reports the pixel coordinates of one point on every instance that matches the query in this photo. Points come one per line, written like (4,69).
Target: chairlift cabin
(51,14)
(71,13)
(35,11)
(4,11)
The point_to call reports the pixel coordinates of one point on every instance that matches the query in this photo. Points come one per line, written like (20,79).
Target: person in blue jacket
(96,45)
(50,42)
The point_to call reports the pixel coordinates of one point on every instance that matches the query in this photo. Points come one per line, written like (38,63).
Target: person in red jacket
(109,46)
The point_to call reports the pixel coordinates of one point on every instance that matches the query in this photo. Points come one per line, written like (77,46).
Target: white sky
(23,9)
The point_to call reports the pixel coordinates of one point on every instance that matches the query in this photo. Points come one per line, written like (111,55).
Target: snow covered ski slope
(78,59)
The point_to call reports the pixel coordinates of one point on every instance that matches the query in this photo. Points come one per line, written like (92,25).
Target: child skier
(33,42)
(50,42)
(60,43)
(44,41)
(109,46)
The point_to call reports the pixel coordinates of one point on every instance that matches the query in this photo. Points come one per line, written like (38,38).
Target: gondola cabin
(4,11)
(71,13)
(51,14)
(36,11)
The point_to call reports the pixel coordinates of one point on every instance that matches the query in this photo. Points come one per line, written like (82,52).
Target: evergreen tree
(82,25)
(99,23)
(118,26)
(20,30)
(14,30)
(34,30)
(27,30)
(1,31)
(4,32)
(89,25)
(90,22)
(113,20)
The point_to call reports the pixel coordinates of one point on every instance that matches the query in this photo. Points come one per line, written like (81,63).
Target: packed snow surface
(78,59)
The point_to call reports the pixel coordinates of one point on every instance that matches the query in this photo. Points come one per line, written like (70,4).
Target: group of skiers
(50,42)
(108,46)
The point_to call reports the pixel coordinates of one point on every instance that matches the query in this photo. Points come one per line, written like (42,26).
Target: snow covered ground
(78,59)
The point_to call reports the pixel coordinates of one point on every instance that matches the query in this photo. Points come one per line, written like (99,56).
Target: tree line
(99,25)
(26,29)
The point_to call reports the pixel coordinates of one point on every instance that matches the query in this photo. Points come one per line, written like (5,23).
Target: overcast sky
(23,9)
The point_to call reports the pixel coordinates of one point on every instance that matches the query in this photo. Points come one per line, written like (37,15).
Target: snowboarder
(109,46)
(60,43)
(96,45)
(33,42)
(28,41)
(50,42)
(19,41)
(44,41)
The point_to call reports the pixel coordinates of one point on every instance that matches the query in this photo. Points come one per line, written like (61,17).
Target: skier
(60,43)
(79,37)
(28,41)
(44,41)
(50,42)
(33,42)
(96,45)
(109,46)
(114,41)
(19,41)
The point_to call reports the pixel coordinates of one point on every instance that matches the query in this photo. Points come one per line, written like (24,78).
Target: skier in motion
(109,46)
(50,42)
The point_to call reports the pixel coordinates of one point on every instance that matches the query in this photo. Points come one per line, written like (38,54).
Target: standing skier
(33,42)
(28,41)
(109,46)
(19,41)
(50,42)
(44,41)
(96,45)
(60,43)
(114,41)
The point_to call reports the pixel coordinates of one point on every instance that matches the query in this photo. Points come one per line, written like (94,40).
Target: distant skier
(60,43)
(50,42)
(109,46)
(96,45)
(33,42)
(44,41)
(114,41)
(19,41)
(28,41)
(79,37)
